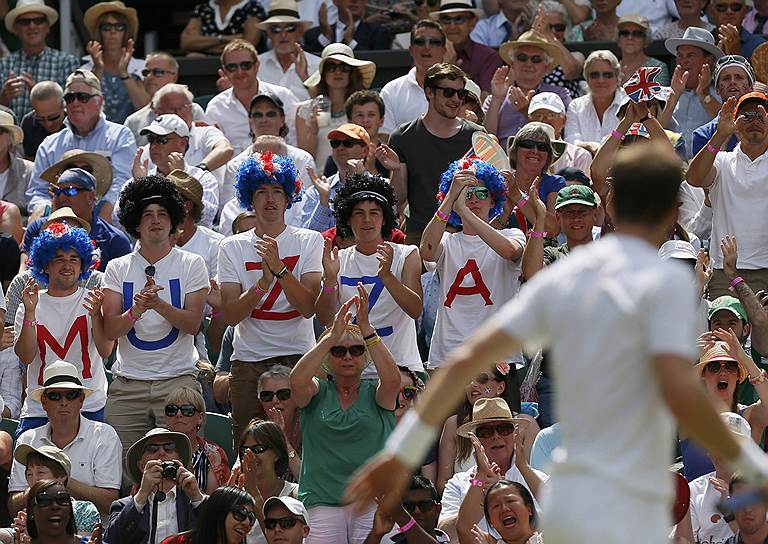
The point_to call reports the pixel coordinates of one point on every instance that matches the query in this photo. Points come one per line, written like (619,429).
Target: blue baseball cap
(79,177)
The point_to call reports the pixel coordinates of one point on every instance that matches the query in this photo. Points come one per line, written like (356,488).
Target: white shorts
(583,508)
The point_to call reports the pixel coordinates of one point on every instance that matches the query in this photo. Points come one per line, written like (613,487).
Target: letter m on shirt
(46,340)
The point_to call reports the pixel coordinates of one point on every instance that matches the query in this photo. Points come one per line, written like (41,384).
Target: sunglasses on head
(331,67)
(168,447)
(632,33)
(282,394)
(258,449)
(269,115)
(449,92)
(187,410)
(422,506)
(45,500)
(284,523)
(277,29)
(732,367)
(355,351)
(432,42)
(734,7)
(481,193)
(157,72)
(458,20)
(533,144)
(241,514)
(604,75)
(106,27)
(80,97)
(557,27)
(26,21)
(157,139)
(535,59)
(48,119)
(346,143)
(244,66)
(409,392)
(503,429)
(55,396)
(68,191)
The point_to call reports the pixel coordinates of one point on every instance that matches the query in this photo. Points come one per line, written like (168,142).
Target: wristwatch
(282,273)
(292,454)
(202,166)
(707,99)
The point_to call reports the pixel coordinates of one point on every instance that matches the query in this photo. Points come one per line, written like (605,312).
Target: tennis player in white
(620,325)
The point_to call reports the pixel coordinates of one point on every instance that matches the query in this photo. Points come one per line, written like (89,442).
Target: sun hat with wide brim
(65,213)
(485,411)
(189,187)
(533,39)
(697,37)
(719,352)
(30,6)
(136,450)
(283,11)
(455,6)
(7,123)
(93,13)
(101,168)
(342,53)
(558,146)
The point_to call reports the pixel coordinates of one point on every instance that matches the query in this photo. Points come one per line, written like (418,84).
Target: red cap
(754,96)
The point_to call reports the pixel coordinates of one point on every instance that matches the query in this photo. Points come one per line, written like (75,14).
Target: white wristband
(752,463)
(411,440)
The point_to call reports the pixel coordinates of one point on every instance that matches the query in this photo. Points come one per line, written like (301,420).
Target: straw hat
(455,6)
(343,53)
(760,62)
(495,410)
(183,448)
(30,6)
(101,168)
(283,11)
(533,39)
(60,375)
(7,122)
(189,187)
(66,212)
(719,352)
(94,12)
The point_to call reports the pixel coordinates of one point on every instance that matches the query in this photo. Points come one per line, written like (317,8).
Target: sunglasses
(604,75)
(282,394)
(423,506)
(168,447)
(482,378)
(259,115)
(157,139)
(284,523)
(432,42)
(535,59)
(241,514)
(45,500)
(55,396)
(632,33)
(346,143)
(732,367)
(532,144)
(409,392)
(244,66)
(332,67)
(106,27)
(68,191)
(449,92)
(355,351)
(187,410)
(277,29)
(480,192)
(80,97)
(26,21)
(503,429)
(157,72)
(557,27)
(458,20)
(735,7)
(751,116)
(54,117)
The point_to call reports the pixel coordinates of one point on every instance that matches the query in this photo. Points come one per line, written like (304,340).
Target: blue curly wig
(484,172)
(60,236)
(267,168)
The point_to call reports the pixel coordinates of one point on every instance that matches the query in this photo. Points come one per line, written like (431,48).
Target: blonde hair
(601,55)
(237,45)
(189,395)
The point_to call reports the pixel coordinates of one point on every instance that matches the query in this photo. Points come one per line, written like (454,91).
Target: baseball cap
(737,424)
(754,96)
(83,76)
(546,101)
(729,303)
(677,249)
(294,506)
(733,61)
(79,177)
(23,451)
(267,96)
(575,194)
(166,124)
(350,130)
(635,19)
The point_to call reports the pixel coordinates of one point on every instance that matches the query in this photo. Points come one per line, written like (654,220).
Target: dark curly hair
(139,193)
(354,190)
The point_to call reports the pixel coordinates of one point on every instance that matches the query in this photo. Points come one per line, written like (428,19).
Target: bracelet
(373,342)
(32,323)
(616,134)
(441,216)
(474,482)
(537,234)
(133,317)
(258,290)
(712,149)
(370,336)
(522,201)
(282,273)
(757,380)
(126,77)
(327,289)
(407,527)
(734,282)
(411,440)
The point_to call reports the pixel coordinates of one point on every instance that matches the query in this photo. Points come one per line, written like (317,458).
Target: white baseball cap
(166,124)
(546,101)
(677,249)
(736,424)
(294,506)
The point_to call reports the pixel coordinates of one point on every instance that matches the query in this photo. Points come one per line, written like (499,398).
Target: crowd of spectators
(216,309)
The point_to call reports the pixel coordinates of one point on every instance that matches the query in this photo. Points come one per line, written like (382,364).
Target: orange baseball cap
(350,130)
(754,96)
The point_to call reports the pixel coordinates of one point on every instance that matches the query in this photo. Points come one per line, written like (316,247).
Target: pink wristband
(522,201)
(327,289)
(440,215)
(734,282)
(712,149)
(407,527)
(30,323)
(616,134)
(537,234)
(474,482)
(132,316)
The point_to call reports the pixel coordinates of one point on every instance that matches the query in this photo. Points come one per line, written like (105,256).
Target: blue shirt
(749,43)
(314,215)
(705,132)
(110,240)
(690,115)
(116,142)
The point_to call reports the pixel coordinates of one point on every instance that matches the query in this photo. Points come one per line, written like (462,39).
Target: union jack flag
(641,86)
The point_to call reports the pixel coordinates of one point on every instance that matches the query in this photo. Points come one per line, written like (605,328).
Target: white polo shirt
(582,123)
(404,101)
(271,71)
(96,455)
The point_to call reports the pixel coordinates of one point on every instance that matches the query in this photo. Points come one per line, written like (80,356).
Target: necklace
(348,391)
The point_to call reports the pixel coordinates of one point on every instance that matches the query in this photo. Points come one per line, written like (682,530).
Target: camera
(170,470)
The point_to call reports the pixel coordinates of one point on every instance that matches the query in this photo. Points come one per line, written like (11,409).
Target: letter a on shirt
(479,288)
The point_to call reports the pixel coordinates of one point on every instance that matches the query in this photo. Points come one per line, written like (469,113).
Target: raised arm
(406,293)
(471,510)
(327,302)
(700,171)
(601,164)
(26,341)
(500,84)
(533,254)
